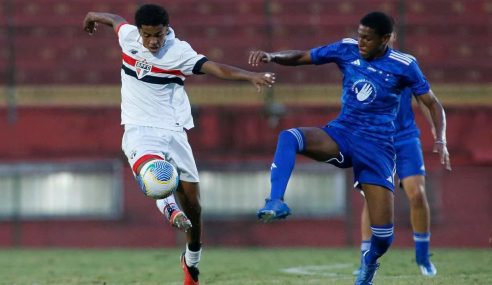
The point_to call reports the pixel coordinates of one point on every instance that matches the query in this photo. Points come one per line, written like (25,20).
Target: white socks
(161,203)
(192,258)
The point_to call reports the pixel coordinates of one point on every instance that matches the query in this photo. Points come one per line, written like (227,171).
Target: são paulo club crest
(142,68)
(365,91)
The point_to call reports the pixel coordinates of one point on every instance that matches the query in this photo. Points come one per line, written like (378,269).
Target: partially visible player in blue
(362,135)
(410,169)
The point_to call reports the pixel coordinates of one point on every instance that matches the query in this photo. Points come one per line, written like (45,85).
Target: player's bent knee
(293,137)
(417,199)
(158,179)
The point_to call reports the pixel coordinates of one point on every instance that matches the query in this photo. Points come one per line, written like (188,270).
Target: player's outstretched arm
(286,57)
(93,18)
(427,116)
(223,71)
(438,117)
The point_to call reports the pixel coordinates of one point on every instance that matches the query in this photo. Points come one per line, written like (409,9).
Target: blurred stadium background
(64,181)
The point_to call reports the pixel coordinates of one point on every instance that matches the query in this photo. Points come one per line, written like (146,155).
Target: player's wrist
(440,141)
(271,56)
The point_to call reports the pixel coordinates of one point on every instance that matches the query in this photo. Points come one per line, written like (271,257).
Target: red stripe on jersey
(119,27)
(131,61)
(128,59)
(143,159)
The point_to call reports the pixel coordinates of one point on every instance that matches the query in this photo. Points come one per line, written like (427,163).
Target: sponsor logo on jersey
(134,51)
(365,91)
(142,68)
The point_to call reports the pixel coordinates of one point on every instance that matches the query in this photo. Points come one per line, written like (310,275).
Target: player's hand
(257,56)
(260,79)
(442,150)
(90,26)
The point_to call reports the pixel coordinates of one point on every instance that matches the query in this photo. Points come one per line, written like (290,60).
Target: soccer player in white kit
(156,113)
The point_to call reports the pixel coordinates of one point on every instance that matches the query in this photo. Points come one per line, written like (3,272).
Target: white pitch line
(333,271)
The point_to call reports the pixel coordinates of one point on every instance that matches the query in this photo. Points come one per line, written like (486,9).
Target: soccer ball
(159,179)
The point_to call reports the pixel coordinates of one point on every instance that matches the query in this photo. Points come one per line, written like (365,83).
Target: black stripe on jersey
(153,79)
(198,65)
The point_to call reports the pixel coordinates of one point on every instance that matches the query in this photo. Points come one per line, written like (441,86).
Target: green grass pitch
(238,266)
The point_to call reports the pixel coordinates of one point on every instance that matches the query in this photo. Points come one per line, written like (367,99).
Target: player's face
(371,45)
(153,37)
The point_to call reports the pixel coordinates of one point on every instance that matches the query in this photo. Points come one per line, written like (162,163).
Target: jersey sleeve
(124,31)
(416,80)
(191,61)
(332,52)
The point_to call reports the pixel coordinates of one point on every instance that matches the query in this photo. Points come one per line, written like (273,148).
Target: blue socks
(421,247)
(290,142)
(382,237)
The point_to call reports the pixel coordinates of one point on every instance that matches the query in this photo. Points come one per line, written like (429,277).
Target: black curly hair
(151,15)
(381,23)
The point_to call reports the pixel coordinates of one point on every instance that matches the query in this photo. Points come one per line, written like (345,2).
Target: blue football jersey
(371,88)
(405,120)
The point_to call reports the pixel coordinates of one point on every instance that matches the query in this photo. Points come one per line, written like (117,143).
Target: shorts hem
(358,184)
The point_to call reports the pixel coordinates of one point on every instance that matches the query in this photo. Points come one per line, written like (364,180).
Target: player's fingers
(448,166)
(250,57)
(258,88)
(259,56)
(253,58)
(269,78)
(447,162)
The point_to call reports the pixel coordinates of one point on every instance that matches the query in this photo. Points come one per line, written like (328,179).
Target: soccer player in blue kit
(361,136)
(410,169)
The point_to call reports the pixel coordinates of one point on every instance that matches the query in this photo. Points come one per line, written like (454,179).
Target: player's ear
(386,39)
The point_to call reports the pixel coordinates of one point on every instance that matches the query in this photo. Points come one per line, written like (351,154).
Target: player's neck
(380,54)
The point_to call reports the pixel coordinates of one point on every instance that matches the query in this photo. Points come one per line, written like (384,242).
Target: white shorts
(173,146)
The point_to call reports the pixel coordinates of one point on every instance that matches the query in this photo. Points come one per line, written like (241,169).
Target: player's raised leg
(168,206)
(312,142)
(414,187)
(170,209)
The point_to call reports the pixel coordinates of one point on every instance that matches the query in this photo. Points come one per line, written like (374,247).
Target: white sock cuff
(192,258)
(365,245)
(161,203)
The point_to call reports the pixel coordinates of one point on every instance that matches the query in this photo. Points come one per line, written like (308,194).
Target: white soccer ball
(159,178)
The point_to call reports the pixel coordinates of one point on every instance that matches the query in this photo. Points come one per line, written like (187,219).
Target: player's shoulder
(349,41)
(175,43)
(401,58)
(128,32)
(346,47)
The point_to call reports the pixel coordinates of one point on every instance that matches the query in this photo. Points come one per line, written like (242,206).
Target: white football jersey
(152,85)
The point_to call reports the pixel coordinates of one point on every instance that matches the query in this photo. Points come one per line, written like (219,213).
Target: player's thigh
(142,144)
(318,144)
(188,195)
(380,204)
(373,162)
(181,154)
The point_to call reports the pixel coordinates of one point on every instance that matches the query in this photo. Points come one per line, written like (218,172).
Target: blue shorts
(373,162)
(409,158)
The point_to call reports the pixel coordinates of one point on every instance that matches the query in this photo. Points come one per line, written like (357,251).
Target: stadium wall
(461,200)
